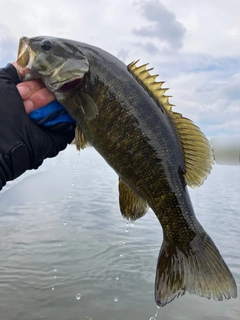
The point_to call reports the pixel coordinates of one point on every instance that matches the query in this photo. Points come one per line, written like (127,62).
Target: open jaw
(25,60)
(56,78)
(26,55)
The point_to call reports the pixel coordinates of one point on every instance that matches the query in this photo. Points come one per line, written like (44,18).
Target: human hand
(34,95)
(40,103)
(24,144)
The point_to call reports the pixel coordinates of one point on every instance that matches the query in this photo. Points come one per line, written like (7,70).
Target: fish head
(56,62)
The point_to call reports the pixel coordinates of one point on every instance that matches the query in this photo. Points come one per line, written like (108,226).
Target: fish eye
(46,45)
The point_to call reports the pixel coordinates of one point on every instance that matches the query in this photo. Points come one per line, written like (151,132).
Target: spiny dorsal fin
(147,81)
(197,151)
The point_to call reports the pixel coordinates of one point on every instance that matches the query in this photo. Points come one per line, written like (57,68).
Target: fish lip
(23,52)
(26,55)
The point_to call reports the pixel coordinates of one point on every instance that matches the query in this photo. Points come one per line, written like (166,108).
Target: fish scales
(134,134)
(126,116)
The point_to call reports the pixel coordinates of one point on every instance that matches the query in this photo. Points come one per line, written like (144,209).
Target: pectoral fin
(89,107)
(131,205)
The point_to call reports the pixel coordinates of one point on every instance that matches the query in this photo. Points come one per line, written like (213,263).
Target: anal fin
(131,205)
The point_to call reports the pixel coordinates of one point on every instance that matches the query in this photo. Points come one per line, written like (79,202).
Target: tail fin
(198,269)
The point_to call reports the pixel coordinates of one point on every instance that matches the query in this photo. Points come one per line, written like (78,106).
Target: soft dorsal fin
(198,154)
(197,151)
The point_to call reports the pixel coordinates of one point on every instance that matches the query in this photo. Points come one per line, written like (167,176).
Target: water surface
(75,258)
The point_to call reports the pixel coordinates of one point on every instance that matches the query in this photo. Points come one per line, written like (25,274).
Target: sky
(193,45)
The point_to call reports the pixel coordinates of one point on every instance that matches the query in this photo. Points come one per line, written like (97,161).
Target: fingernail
(29,107)
(23,91)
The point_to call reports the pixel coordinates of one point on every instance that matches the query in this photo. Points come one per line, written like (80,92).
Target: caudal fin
(197,268)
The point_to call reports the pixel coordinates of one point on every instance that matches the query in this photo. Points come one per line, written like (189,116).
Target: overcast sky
(193,45)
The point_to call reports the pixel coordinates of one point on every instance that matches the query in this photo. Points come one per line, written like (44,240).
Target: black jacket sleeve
(23,144)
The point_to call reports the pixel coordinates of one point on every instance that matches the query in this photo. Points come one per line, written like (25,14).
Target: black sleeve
(23,144)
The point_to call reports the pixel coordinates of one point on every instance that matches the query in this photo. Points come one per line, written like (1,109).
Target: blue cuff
(53,113)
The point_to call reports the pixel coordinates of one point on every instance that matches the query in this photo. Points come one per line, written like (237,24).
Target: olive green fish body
(138,140)
(125,115)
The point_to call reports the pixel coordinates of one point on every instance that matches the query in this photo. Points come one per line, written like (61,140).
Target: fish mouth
(27,70)
(25,56)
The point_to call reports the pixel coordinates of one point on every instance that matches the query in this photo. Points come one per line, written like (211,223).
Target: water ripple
(91,230)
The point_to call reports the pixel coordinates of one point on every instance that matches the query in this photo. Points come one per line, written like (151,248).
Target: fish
(125,114)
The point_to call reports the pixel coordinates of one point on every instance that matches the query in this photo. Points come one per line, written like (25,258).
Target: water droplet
(156,314)
(69,206)
(65,223)
(121,255)
(73,183)
(116,299)
(70,195)
(152,318)
(55,270)
(117,278)
(132,224)
(78,296)
(55,277)
(126,230)
(60,244)
(123,242)
(52,288)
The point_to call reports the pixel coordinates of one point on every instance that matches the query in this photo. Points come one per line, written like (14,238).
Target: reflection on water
(75,258)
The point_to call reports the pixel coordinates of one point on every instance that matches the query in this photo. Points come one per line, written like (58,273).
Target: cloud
(210,98)
(149,47)
(195,50)
(8,46)
(232,89)
(123,55)
(163,25)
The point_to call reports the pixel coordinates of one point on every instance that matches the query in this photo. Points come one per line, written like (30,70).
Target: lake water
(75,258)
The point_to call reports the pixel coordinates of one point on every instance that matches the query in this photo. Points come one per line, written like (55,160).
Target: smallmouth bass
(125,115)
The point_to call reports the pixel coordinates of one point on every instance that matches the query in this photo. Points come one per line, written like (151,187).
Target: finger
(19,69)
(26,89)
(38,99)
